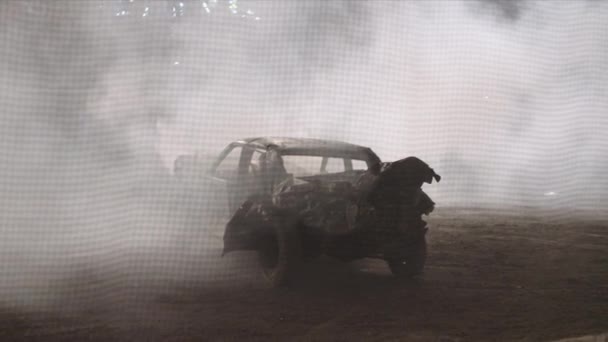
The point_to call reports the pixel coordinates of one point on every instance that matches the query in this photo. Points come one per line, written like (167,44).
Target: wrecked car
(295,199)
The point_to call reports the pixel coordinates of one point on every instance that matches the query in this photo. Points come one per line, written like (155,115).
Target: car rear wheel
(280,254)
(412,263)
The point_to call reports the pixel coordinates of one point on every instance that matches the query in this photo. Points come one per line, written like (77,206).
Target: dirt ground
(505,276)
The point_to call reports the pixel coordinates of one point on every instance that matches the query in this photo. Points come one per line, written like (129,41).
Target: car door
(252,179)
(226,176)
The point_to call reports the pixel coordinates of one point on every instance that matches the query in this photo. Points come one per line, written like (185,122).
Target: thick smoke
(85,196)
(505,99)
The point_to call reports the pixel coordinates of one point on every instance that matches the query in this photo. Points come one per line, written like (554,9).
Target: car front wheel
(280,254)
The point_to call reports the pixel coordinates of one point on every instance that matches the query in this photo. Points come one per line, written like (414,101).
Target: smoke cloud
(505,99)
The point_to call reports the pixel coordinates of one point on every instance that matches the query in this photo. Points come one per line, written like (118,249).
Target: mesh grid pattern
(506,100)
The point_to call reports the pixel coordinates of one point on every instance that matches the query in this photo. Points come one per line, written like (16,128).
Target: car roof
(315,147)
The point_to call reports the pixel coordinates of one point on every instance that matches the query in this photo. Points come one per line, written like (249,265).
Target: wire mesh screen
(114,112)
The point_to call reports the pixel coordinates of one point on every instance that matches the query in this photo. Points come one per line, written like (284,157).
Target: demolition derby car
(294,199)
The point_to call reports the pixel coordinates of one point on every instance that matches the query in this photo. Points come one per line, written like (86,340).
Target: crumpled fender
(425,204)
(401,180)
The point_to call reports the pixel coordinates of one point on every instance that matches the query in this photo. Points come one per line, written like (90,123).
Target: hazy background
(507,100)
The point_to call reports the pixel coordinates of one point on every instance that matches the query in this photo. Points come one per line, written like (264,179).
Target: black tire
(412,263)
(281,253)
